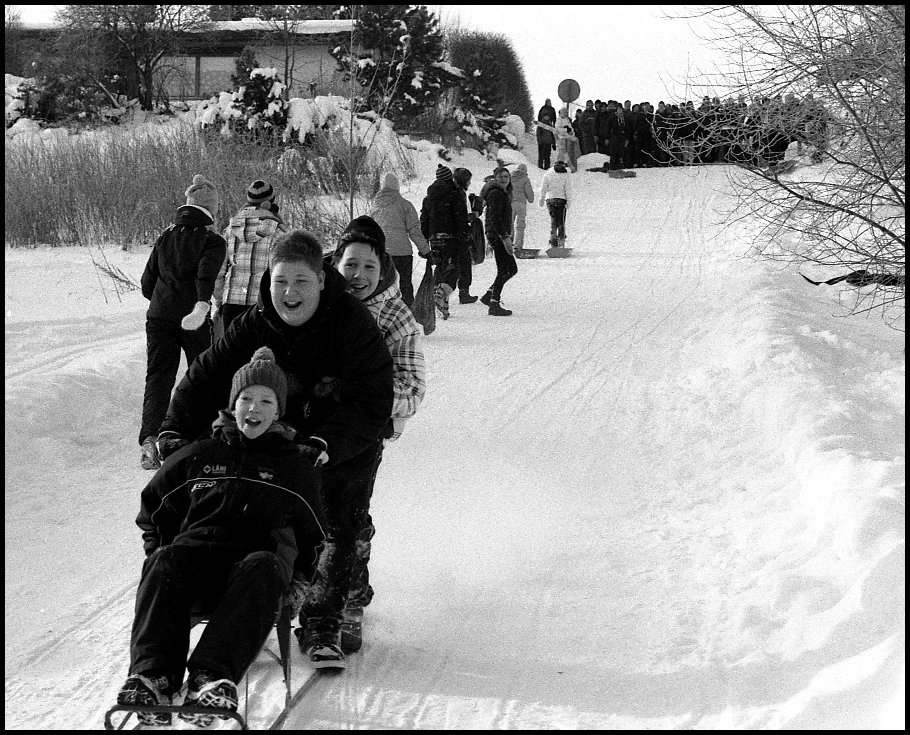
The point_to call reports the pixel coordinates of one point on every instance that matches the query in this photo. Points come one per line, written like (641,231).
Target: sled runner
(526,253)
(283,658)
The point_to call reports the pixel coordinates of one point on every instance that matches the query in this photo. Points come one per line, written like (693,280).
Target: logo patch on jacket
(202,485)
(214,469)
(266,474)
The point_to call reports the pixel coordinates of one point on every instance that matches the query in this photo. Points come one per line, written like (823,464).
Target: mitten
(196,318)
(314,450)
(168,443)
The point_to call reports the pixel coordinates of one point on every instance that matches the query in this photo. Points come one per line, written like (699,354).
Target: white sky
(619,51)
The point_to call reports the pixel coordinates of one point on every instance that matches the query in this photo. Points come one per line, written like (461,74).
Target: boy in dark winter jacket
(498,225)
(224,523)
(340,400)
(178,281)
(444,223)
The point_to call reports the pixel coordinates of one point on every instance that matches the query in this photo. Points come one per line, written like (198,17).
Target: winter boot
(147,691)
(204,689)
(352,629)
(319,642)
(441,298)
(150,459)
(485,299)
(465,298)
(497,310)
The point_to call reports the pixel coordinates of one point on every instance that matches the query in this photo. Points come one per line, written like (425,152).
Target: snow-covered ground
(666,494)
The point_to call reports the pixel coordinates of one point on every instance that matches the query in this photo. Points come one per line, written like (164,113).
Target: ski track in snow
(607,530)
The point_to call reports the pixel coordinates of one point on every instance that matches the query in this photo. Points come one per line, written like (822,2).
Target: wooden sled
(559,252)
(526,253)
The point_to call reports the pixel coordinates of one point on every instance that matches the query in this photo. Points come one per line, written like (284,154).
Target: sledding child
(224,521)
(321,335)
(362,259)
(178,280)
(556,192)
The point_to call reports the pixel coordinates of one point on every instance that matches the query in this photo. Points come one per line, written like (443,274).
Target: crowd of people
(641,136)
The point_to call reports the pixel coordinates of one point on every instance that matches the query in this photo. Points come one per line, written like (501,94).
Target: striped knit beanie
(443,173)
(260,191)
(261,370)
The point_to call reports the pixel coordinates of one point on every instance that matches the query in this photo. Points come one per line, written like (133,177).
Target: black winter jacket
(444,211)
(340,341)
(498,220)
(183,266)
(245,495)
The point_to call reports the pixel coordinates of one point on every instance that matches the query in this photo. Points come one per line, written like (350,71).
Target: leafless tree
(143,36)
(829,78)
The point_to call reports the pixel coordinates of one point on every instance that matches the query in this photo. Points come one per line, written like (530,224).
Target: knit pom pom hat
(260,191)
(261,370)
(443,173)
(202,193)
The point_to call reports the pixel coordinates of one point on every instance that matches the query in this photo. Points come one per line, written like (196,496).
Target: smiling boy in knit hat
(224,521)
(178,280)
(249,236)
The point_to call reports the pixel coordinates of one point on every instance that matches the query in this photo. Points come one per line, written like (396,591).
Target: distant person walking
(178,280)
(522,195)
(499,231)
(249,237)
(400,222)
(555,192)
(546,140)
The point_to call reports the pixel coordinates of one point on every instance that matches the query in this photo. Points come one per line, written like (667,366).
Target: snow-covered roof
(300,27)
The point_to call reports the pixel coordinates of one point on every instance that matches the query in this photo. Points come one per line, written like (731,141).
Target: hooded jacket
(183,265)
(340,341)
(445,211)
(398,219)
(249,237)
(244,494)
(522,191)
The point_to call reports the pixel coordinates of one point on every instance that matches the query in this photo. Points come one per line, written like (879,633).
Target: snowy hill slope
(666,493)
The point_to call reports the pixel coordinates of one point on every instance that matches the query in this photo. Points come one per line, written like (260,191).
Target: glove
(429,256)
(169,442)
(196,318)
(314,450)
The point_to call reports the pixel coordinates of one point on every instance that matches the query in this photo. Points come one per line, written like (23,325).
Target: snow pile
(14,97)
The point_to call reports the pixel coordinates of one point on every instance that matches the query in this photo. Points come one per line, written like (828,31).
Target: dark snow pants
(543,155)
(239,590)
(506,265)
(557,210)
(404,264)
(346,492)
(465,264)
(445,249)
(164,340)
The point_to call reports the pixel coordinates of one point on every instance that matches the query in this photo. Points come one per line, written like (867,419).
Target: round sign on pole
(568,90)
